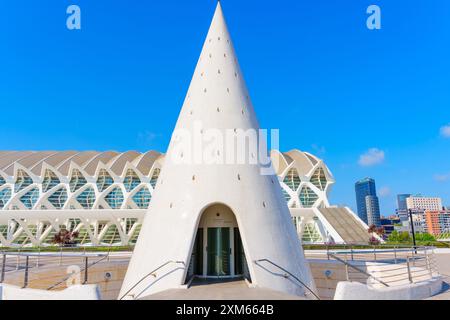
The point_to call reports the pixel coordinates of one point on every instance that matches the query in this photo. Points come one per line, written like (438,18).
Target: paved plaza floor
(442,257)
(230,290)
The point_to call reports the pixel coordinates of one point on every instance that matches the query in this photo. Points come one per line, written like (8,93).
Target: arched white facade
(102,195)
(35,182)
(305,179)
(134,174)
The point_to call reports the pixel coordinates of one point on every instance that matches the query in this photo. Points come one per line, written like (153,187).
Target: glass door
(218,251)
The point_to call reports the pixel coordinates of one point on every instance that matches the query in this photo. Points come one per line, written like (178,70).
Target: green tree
(399,237)
(425,237)
(405,237)
(394,237)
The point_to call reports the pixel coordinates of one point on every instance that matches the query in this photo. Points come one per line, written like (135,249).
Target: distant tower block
(216,220)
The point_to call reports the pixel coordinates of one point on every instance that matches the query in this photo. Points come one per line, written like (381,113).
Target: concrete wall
(332,283)
(326,285)
(358,291)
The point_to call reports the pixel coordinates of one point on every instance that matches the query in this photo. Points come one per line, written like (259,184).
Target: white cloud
(372,157)
(442,177)
(445,131)
(384,192)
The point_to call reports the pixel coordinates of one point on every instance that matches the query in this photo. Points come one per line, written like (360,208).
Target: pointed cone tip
(218,9)
(218,20)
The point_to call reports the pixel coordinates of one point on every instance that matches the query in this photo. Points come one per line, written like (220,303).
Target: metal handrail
(51,254)
(149,274)
(415,256)
(380,251)
(81,270)
(292,275)
(358,269)
(27,255)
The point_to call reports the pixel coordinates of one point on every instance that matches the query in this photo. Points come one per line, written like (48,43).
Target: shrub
(374,241)
(65,238)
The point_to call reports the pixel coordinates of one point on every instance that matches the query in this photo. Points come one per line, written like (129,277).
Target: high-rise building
(363,188)
(438,222)
(401,202)
(373,211)
(420,203)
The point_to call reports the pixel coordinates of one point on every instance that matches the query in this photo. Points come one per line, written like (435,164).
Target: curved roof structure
(32,180)
(89,161)
(80,158)
(103,157)
(304,163)
(51,180)
(304,178)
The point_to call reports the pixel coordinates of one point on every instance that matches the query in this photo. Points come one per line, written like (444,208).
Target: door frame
(218,215)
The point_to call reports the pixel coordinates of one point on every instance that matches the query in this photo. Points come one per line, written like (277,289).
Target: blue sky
(313,69)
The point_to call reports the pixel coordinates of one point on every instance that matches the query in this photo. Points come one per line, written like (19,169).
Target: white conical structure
(217,99)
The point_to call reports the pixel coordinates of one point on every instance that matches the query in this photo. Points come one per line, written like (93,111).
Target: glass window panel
(308,197)
(5,195)
(77,180)
(23,180)
(292,179)
(30,198)
(58,198)
(131,180)
(318,179)
(50,180)
(286,195)
(87,198)
(104,180)
(311,234)
(115,198)
(142,198)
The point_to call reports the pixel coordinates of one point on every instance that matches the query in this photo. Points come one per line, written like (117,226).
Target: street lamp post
(412,228)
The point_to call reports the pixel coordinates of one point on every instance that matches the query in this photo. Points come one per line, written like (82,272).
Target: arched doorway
(218,251)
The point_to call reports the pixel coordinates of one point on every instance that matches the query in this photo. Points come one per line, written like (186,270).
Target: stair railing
(152,273)
(289,274)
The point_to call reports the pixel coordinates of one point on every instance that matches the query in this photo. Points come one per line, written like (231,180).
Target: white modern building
(101,195)
(105,195)
(306,183)
(419,203)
